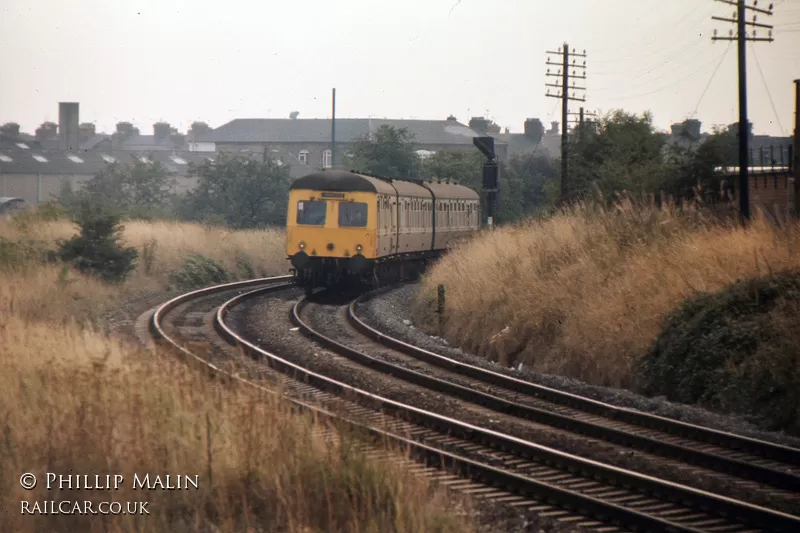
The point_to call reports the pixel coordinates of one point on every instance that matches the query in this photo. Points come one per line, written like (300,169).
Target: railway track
(538,477)
(186,325)
(763,462)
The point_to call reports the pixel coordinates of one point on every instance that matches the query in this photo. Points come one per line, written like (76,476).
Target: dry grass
(72,401)
(40,291)
(583,293)
(174,241)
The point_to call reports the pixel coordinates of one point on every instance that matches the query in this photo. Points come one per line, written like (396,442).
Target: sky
(179,61)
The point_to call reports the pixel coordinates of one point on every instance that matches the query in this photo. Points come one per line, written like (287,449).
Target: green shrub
(200,271)
(96,250)
(735,350)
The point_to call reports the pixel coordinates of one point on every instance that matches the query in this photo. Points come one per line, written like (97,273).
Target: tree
(463,166)
(390,152)
(96,249)
(466,168)
(538,179)
(138,189)
(620,152)
(692,168)
(242,192)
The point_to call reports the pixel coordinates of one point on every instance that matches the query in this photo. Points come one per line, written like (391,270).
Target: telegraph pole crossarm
(566,94)
(741,38)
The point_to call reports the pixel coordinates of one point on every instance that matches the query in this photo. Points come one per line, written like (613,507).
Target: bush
(96,250)
(200,271)
(735,349)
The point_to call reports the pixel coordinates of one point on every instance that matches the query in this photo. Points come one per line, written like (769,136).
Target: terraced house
(309,140)
(36,175)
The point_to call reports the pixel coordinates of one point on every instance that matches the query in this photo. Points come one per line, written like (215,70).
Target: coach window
(352,215)
(311,213)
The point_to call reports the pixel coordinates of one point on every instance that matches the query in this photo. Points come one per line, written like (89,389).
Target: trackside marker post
(440,307)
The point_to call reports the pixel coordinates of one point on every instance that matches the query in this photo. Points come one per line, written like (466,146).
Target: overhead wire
(766,87)
(713,75)
(644,49)
(648,82)
(672,83)
(663,58)
(665,66)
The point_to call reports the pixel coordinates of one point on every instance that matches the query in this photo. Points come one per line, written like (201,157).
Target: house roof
(94,140)
(147,142)
(518,143)
(12,142)
(89,163)
(62,162)
(280,130)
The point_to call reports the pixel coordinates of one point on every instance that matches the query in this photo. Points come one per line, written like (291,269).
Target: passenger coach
(353,227)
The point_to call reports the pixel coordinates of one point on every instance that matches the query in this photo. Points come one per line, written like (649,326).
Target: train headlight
(359,247)
(302,245)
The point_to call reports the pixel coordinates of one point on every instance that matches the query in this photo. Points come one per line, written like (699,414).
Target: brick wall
(770,192)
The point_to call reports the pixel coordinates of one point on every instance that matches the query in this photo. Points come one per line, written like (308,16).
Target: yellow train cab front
(331,224)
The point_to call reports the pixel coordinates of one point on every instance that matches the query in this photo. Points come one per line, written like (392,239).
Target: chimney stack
(692,128)
(68,131)
(479,125)
(534,129)
(161,131)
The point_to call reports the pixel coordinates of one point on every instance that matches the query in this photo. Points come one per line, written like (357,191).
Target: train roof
(335,180)
(352,181)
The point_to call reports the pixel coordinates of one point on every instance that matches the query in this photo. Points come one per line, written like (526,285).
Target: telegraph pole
(795,158)
(581,122)
(564,87)
(796,164)
(741,37)
(333,130)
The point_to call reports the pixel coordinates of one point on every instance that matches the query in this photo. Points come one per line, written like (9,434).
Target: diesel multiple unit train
(348,227)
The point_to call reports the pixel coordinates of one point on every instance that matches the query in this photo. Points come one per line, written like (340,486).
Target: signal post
(491,174)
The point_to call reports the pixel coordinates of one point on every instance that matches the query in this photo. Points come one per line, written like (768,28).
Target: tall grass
(44,290)
(163,246)
(74,401)
(583,293)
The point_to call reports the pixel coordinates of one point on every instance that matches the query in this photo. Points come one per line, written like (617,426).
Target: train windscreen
(352,215)
(311,213)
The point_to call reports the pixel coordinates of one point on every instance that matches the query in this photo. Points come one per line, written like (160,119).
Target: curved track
(765,462)
(177,324)
(627,491)
(586,487)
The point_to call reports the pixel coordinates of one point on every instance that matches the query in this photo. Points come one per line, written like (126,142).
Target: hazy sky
(180,60)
